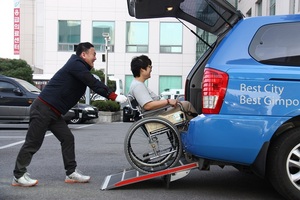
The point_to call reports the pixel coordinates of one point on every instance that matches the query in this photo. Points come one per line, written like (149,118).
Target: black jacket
(68,85)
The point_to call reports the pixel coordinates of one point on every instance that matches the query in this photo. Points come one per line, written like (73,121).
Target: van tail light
(214,85)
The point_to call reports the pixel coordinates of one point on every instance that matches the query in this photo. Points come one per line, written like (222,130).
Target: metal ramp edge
(134,176)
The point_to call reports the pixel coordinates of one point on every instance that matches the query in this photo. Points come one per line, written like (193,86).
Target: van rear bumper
(229,138)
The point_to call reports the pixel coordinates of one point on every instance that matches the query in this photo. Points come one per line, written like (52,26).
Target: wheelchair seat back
(136,108)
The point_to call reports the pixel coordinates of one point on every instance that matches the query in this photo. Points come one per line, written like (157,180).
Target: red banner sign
(16,31)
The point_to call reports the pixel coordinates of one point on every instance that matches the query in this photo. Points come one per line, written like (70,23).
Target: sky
(6,34)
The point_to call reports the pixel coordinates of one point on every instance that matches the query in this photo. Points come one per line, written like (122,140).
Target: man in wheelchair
(153,142)
(141,67)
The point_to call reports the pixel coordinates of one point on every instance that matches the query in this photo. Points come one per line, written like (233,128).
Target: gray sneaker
(77,177)
(24,181)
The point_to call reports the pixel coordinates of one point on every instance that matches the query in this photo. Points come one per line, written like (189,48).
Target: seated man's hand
(173,102)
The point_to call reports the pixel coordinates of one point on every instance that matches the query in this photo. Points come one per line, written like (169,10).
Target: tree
(100,74)
(16,68)
(110,84)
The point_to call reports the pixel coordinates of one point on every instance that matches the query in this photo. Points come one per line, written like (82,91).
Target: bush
(16,68)
(106,105)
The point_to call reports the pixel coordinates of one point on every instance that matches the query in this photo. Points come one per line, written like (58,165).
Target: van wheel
(283,164)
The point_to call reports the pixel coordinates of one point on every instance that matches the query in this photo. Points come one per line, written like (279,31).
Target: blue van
(244,87)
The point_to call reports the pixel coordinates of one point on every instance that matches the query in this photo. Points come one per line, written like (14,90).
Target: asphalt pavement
(100,152)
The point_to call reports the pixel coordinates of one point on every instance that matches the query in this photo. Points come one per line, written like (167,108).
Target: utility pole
(107,38)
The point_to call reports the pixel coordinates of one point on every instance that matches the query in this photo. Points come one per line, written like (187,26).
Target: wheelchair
(153,143)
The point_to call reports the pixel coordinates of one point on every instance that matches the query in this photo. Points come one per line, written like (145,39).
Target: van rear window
(277,44)
(202,11)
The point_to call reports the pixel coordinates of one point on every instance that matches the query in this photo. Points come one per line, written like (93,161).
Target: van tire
(280,167)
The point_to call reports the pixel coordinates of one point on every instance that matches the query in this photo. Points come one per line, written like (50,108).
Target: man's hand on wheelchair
(121,99)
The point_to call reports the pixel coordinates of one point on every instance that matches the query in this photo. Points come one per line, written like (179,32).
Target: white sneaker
(24,181)
(77,177)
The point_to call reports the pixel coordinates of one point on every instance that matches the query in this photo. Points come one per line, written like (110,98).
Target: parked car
(16,96)
(85,112)
(244,88)
(71,114)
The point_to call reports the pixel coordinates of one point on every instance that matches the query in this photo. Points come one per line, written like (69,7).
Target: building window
(137,37)
(128,80)
(170,37)
(272,7)
(234,3)
(98,40)
(68,34)
(292,6)
(258,8)
(169,82)
(201,47)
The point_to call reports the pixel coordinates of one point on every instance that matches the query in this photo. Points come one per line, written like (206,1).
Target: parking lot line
(9,137)
(20,142)
(17,143)
(80,127)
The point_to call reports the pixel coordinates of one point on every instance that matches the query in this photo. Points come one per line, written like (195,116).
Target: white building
(252,8)
(51,28)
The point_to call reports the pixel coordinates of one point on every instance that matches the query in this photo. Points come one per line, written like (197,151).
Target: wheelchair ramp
(131,176)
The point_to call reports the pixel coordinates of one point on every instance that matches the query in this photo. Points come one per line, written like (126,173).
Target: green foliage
(16,68)
(99,73)
(82,100)
(107,105)
(110,84)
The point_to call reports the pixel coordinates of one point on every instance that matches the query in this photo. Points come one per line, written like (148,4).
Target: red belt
(52,108)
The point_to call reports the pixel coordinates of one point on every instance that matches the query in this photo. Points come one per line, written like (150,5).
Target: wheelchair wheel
(152,144)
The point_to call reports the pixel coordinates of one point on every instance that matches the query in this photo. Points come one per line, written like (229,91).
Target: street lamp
(107,38)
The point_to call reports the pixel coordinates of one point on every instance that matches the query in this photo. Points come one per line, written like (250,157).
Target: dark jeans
(43,118)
